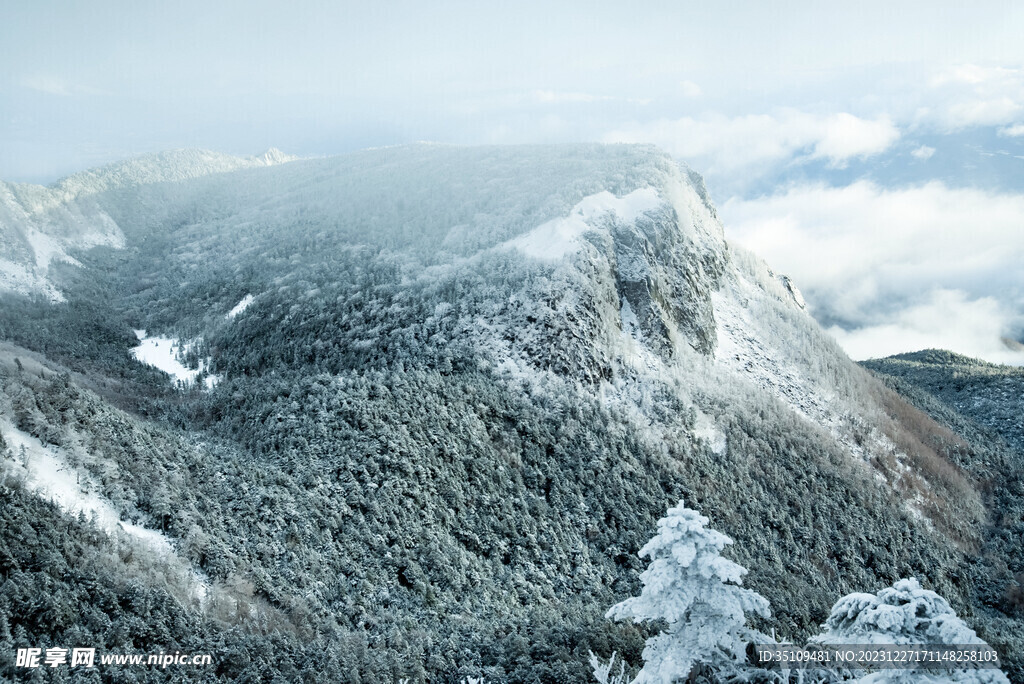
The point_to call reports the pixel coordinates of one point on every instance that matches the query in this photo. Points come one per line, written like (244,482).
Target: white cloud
(1013,131)
(522,100)
(56,85)
(972,95)
(948,319)
(689,89)
(983,112)
(974,74)
(923,152)
(845,136)
(572,97)
(720,144)
(961,73)
(871,257)
(555,97)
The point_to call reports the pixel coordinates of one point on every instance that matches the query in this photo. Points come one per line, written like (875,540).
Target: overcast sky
(873,150)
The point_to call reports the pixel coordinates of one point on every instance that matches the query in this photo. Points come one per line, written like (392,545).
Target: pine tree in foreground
(904,614)
(696,591)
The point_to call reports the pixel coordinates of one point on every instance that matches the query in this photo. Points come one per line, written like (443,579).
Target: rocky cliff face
(463,385)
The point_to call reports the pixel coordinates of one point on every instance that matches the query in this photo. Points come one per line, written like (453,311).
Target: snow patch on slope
(34,235)
(707,431)
(164,353)
(742,349)
(47,473)
(47,249)
(749,347)
(31,242)
(239,307)
(24,280)
(560,237)
(629,322)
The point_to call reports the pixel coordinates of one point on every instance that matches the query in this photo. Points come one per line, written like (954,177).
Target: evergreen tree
(696,591)
(904,614)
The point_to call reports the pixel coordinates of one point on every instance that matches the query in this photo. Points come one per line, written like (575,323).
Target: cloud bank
(971,95)
(754,143)
(947,319)
(899,269)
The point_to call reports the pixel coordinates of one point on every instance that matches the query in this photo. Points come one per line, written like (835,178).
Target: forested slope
(468,383)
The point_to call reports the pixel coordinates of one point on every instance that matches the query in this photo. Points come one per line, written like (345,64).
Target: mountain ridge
(441,429)
(43,224)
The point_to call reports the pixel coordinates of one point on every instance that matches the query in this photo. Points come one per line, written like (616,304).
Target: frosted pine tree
(904,614)
(696,591)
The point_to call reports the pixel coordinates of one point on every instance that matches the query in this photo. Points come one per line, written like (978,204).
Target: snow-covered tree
(696,591)
(603,671)
(904,614)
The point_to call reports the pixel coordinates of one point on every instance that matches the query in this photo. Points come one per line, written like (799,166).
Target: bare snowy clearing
(239,307)
(163,353)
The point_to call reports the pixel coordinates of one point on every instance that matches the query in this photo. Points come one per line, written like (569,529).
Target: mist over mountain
(426,405)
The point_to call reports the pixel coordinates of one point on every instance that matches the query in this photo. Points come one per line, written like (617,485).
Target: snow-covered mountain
(42,225)
(447,391)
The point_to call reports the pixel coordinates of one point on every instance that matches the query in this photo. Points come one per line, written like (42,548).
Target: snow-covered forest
(426,408)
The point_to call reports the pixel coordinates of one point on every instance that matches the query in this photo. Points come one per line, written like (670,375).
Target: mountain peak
(275,156)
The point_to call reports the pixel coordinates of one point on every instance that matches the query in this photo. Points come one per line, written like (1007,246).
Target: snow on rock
(36,231)
(239,307)
(47,473)
(791,287)
(23,279)
(561,236)
(745,348)
(275,156)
